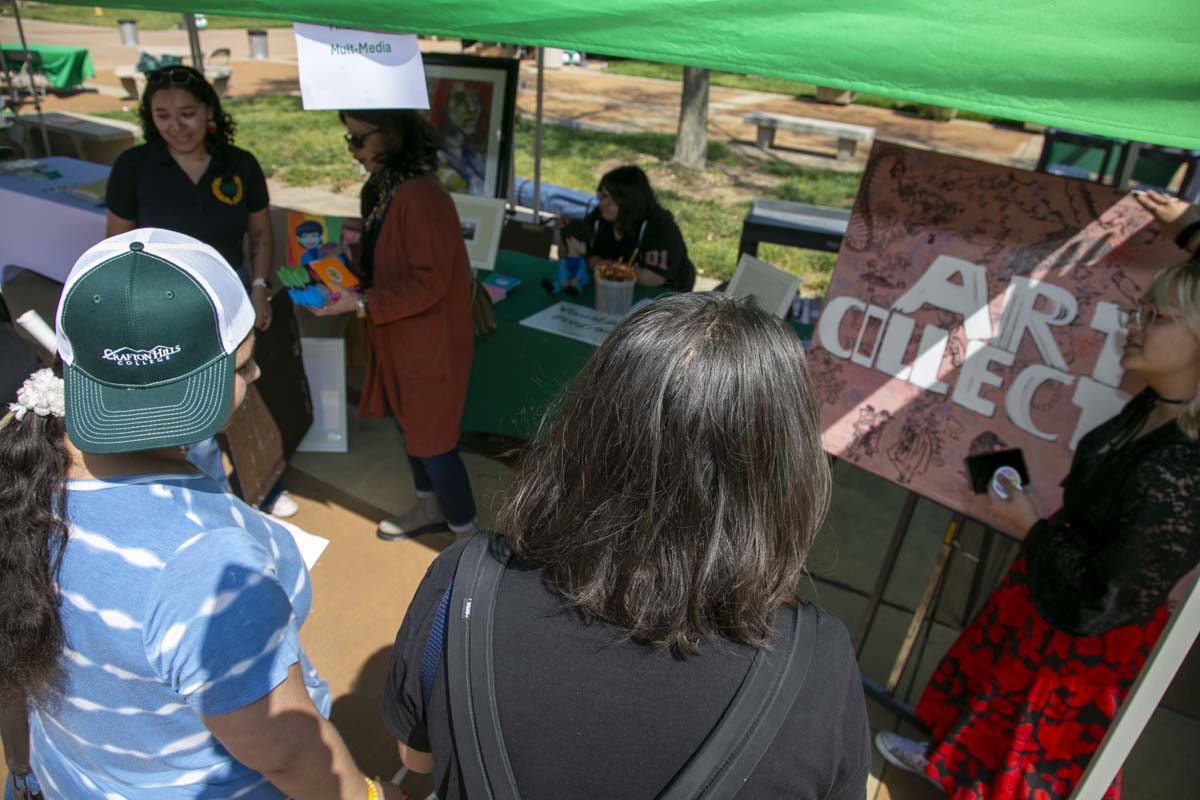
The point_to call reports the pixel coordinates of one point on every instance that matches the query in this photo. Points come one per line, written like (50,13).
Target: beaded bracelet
(372,792)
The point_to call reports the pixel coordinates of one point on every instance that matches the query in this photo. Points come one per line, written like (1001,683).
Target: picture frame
(770,286)
(482,220)
(472,107)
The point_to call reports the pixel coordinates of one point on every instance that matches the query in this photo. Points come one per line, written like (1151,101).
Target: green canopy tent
(1112,67)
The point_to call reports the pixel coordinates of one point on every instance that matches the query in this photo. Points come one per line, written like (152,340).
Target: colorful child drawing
(318,269)
(309,235)
(312,237)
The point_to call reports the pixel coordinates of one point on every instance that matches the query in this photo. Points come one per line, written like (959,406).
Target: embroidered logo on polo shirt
(228,190)
(128,357)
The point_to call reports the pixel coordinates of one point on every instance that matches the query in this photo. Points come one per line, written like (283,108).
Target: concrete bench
(133,81)
(848,135)
(793,224)
(81,136)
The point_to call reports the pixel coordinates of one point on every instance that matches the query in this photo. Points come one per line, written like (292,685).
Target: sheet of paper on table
(311,546)
(576,322)
(19,165)
(96,190)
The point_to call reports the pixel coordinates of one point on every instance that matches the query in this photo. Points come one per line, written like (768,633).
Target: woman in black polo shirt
(188,177)
(629,223)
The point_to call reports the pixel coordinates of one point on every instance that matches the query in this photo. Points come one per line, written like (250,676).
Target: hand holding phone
(995,472)
(982,468)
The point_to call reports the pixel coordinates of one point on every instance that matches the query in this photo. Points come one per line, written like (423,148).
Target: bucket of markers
(614,288)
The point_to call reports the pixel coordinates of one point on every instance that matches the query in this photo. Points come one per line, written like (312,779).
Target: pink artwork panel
(977,307)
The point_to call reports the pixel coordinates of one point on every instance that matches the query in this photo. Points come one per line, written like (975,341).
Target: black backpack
(463,626)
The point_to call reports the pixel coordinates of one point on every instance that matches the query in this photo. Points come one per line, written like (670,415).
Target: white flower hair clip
(42,393)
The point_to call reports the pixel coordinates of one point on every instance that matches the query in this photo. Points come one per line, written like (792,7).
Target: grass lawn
(305,148)
(146,20)
(732,80)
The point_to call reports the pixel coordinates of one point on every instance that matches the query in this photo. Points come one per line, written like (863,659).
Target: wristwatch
(361,311)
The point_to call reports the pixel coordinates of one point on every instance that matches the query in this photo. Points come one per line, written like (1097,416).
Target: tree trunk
(691,140)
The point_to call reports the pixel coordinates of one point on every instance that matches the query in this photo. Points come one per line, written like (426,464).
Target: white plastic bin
(127,28)
(258,43)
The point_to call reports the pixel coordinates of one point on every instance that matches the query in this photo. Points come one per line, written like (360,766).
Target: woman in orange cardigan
(416,299)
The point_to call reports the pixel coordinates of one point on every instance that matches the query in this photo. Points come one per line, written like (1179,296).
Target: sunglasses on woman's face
(175,75)
(357,140)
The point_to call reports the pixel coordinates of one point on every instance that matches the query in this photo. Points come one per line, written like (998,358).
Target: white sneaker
(283,507)
(903,753)
(464,532)
(424,517)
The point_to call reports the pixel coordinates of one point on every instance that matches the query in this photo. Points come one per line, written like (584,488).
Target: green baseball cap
(148,325)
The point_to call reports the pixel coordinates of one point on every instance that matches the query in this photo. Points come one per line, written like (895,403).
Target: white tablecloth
(42,227)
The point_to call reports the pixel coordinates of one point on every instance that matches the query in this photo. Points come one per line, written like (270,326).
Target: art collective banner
(977,307)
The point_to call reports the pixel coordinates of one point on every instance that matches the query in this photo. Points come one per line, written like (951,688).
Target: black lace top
(1129,528)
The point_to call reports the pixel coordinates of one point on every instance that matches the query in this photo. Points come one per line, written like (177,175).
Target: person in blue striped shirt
(150,618)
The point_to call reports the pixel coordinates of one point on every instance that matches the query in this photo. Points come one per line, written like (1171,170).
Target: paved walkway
(588,97)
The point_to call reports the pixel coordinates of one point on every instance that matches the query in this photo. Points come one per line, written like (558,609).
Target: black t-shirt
(659,244)
(586,713)
(148,187)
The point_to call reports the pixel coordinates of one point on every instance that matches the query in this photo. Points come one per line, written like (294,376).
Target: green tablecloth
(519,372)
(64,67)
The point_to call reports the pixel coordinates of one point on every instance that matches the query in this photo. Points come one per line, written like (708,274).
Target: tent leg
(189,23)
(37,103)
(537,137)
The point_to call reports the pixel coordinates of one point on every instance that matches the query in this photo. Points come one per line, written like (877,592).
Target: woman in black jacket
(630,224)
(1024,696)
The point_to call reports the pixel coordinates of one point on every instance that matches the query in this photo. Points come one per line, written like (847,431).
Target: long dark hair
(194,83)
(33,533)
(631,191)
(417,144)
(678,489)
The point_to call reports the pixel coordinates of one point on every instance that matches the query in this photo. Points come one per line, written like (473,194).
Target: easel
(922,619)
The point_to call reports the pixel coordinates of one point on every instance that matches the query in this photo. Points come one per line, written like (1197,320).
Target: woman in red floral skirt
(1024,696)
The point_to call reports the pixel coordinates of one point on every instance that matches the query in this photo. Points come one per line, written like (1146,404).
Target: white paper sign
(342,68)
(310,545)
(325,367)
(772,288)
(580,323)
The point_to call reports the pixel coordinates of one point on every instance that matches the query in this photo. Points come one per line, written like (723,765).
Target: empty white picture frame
(482,220)
(325,366)
(772,288)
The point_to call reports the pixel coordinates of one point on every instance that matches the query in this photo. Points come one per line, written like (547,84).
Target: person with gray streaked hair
(659,526)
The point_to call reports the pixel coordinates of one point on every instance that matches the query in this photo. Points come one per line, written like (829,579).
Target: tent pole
(189,22)
(8,80)
(537,138)
(1152,682)
(37,103)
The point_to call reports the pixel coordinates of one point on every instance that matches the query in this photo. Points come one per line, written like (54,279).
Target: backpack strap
(718,769)
(478,742)
(732,750)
